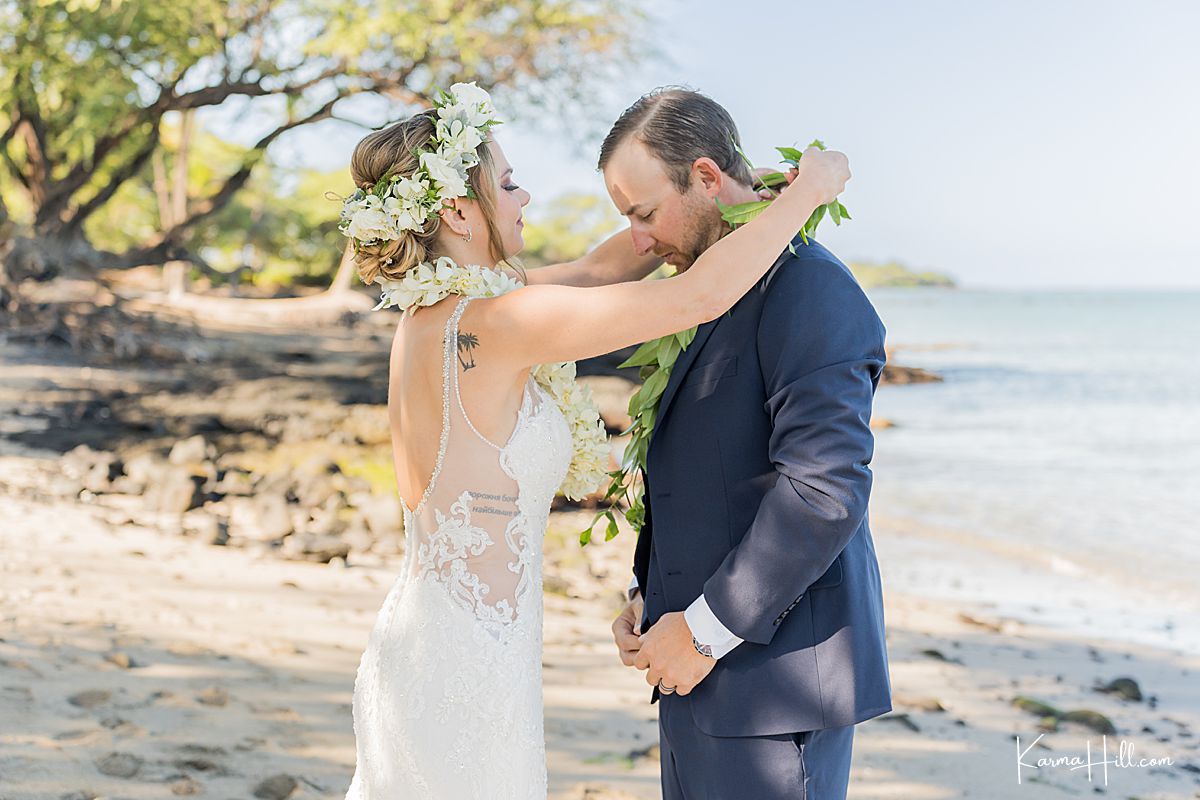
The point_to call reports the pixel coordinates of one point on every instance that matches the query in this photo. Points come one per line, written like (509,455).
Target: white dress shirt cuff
(633,586)
(708,629)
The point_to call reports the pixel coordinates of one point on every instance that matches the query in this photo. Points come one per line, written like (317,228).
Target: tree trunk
(173,201)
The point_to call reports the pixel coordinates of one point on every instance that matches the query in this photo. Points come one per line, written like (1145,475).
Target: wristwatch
(702,649)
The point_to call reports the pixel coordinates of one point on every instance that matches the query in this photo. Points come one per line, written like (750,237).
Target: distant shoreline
(893,274)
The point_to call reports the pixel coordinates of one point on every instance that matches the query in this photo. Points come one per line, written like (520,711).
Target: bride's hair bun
(393,151)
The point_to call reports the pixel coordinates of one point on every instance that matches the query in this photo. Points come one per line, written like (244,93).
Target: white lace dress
(448,694)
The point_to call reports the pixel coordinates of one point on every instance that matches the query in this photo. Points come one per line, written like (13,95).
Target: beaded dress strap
(449,340)
(462,408)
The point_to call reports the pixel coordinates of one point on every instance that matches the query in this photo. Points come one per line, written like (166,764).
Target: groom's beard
(704,230)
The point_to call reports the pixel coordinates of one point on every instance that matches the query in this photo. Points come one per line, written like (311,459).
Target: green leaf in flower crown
(790,154)
(685,337)
(643,356)
(842,209)
(585,535)
(817,143)
(742,213)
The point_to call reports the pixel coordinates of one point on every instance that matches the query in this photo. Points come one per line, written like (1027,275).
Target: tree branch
(122,174)
(210,205)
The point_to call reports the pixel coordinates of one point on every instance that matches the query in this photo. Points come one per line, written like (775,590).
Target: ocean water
(1063,447)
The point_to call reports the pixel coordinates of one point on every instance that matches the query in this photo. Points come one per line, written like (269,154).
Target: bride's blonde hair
(395,150)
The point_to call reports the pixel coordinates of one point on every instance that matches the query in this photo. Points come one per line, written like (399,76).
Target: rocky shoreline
(239,438)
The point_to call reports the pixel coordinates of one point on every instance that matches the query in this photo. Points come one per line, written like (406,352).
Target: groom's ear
(709,175)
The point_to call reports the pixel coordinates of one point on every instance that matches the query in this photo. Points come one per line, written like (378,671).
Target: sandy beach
(142,658)
(136,665)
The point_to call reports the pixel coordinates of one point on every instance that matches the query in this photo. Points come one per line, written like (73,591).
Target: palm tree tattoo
(466,343)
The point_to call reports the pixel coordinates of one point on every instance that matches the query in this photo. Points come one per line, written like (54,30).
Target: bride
(487,425)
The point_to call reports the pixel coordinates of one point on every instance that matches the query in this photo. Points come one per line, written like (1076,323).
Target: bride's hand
(824,172)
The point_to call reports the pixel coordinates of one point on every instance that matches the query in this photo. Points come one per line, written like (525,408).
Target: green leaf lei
(657,356)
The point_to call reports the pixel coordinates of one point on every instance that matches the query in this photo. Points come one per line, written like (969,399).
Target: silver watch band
(702,649)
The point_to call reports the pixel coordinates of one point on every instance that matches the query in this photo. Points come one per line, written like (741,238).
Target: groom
(762,623)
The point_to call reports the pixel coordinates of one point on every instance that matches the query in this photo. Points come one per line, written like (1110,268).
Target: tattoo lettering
(492,510)
(489,509)
(503,498)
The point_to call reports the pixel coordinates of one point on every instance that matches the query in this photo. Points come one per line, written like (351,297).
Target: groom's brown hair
(679,125)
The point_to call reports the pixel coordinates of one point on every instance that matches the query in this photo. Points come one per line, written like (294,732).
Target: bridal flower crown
(398,203)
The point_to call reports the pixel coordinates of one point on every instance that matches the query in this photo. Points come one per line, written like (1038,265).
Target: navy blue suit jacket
(756,495)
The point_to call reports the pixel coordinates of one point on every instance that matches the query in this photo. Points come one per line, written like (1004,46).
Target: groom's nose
(643,243)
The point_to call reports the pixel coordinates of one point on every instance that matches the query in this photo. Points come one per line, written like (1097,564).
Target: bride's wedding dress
(448,694)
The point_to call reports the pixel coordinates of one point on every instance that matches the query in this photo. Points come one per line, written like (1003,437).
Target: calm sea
(1062,449)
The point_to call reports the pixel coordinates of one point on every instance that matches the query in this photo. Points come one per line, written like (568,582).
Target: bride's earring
(467,238)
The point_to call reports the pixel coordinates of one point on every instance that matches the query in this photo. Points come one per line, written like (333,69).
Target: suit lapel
(678,370)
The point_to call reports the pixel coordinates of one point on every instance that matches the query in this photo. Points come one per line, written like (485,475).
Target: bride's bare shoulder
(421,331)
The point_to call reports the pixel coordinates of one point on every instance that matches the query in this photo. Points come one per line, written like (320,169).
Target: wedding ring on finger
(666,689)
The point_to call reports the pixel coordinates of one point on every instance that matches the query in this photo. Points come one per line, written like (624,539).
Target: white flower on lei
(590,456)
(426,284)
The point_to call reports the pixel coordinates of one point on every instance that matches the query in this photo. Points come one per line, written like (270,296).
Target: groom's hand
(626,628)
(765,193)
(668,655)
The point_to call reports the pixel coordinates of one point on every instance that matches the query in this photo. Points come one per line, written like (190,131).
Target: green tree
(86,87)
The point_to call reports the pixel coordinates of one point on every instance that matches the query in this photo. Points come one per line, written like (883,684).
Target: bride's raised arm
(612,261)
(547,323)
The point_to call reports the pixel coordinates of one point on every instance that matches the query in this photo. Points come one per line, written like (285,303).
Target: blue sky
(1010,144)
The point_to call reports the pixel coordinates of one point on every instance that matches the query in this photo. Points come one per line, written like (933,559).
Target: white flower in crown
(354,203)
(403,217)
(402,203)
(458,139)
(410,191)
(470,104)
(370,222)
(450,180)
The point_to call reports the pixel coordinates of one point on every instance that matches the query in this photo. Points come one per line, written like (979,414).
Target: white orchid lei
(426,284)
(397,203)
